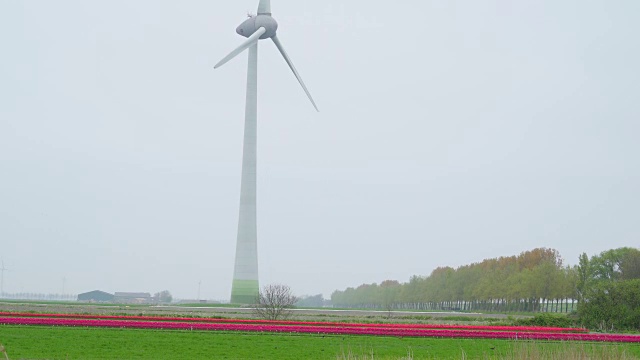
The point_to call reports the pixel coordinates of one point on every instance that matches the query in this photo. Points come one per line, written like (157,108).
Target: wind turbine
(263,26)
(2,270)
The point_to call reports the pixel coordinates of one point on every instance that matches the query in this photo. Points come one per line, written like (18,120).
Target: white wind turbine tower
(245,286)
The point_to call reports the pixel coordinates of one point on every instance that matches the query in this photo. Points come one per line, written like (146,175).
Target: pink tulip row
(335,330)
(305,323)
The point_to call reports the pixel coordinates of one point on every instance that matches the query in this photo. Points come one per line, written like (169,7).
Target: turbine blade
(265,7)
(245,45)
(293,68)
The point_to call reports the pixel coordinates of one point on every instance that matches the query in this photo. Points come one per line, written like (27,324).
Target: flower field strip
(333,330)
(306,323)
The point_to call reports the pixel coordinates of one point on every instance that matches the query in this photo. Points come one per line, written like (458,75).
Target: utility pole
(199,283)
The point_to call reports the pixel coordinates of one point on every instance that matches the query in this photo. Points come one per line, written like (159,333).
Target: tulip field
(305,327)
(336,337)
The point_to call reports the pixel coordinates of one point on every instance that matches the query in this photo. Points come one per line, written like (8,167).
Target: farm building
(132,298)
(96,296)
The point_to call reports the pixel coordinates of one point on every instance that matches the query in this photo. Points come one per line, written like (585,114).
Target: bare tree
(163,296)
(275,302)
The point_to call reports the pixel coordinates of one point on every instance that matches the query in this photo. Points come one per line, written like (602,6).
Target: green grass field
(32,342)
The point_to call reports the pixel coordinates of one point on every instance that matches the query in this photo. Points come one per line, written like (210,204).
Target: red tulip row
(364,330)
(301,323)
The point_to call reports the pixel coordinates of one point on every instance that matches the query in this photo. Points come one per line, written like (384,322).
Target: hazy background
(449,132)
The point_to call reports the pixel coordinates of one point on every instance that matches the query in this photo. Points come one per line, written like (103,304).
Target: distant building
(96,296)
(133,298)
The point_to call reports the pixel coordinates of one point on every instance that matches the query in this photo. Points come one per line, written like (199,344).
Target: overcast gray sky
(449,132)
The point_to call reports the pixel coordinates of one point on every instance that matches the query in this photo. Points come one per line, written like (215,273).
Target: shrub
(612,305)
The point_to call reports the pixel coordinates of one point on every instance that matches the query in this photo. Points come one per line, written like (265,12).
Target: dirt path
(300,314)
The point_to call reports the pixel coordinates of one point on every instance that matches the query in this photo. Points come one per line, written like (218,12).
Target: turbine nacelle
(256,28)
(254,23)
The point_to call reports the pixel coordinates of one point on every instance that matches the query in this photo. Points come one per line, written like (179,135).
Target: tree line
(532,281)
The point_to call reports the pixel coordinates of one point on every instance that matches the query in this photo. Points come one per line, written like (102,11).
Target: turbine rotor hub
(251,25)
